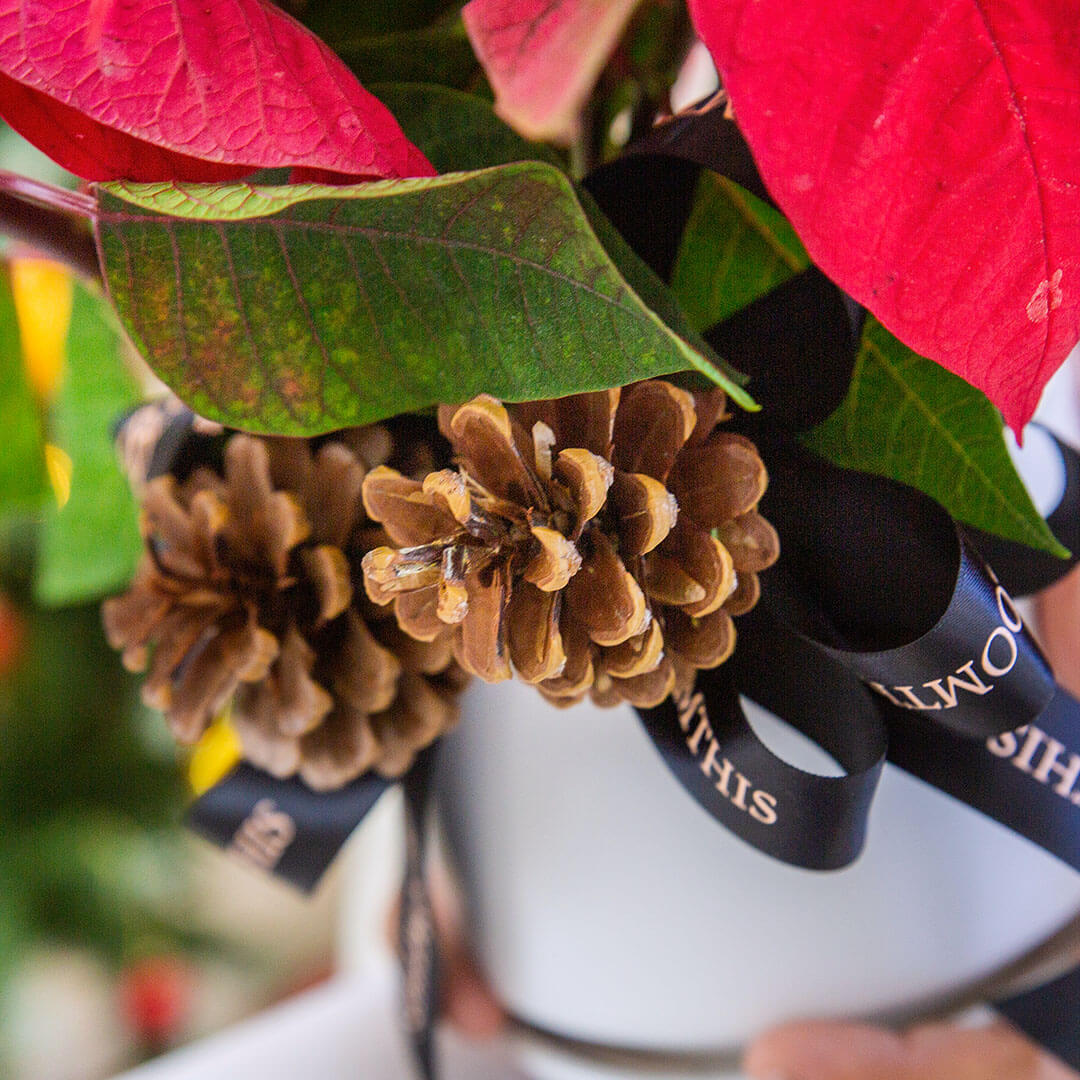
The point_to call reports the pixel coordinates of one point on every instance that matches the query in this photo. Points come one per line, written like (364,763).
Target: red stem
(44,217)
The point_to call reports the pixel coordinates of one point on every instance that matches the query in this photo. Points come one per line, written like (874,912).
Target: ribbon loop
(975,671)
(882,580)
(802,818)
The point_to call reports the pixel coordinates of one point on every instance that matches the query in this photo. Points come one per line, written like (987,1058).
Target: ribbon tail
(417,942)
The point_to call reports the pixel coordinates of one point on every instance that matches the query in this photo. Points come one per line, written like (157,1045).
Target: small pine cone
(245,593)
(597,544)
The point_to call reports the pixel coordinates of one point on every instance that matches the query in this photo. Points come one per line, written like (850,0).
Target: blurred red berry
(11,635)
(155,998)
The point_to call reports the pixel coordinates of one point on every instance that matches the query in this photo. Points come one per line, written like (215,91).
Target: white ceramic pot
(608,907)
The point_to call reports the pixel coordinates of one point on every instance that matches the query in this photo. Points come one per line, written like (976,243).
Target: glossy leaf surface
(459,131)
(304,309)
(456,131)
(432,54)
(734,249)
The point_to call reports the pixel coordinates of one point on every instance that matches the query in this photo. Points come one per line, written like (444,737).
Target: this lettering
(1005,744)
(721,771)
(1051,765)
(687,707)
(913,701)
(694,742)
(973,684)
(1007,608)
(743,785)
(764,808)
(1023,760)
(1040,756)
(264,835)
(726,779)
(1004,634)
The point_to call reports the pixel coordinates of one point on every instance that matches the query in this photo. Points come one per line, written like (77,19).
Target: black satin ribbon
(958,694)
(285,828)
(1050,1015)
(417,942)
(816,822)
(798,345)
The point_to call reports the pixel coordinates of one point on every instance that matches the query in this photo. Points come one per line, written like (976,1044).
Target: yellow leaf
(58,465)
(43,292)
(214,755)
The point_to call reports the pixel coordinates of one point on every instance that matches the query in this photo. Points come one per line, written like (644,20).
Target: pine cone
(598,543)
(245,594)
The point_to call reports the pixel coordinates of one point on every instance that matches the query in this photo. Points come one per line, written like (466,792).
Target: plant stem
(42,216)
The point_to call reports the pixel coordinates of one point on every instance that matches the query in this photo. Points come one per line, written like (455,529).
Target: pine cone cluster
(597,544)
(245,594)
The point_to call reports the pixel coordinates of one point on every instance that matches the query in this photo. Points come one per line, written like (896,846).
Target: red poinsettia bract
(189,90)
(543,57)
(927,153)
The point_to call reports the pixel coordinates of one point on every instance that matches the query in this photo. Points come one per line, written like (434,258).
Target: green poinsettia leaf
(457,131)
(340,22)
(302,309)
(644,281)
(89,547)
(908,418)
(431,54)
(23,484)
(734,249)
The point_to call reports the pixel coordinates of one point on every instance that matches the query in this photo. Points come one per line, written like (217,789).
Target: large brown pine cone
(245,593)
(598,543)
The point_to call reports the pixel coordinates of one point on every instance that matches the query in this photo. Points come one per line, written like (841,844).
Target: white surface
(349,1029)
(1040,466)
(1038,461)
(610,907)
(1059,408)
(346,1029)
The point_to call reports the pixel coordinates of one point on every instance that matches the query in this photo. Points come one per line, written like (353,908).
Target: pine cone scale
(412,519)
(536,648)
(646,512)
(705,560)
(705,642)
(417,613)
(654,421)
(637,656)
(605,598)
(207,677)
(587,478)
(726,478)
(484,438)
(180,631)
(751,540)
(481,644)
